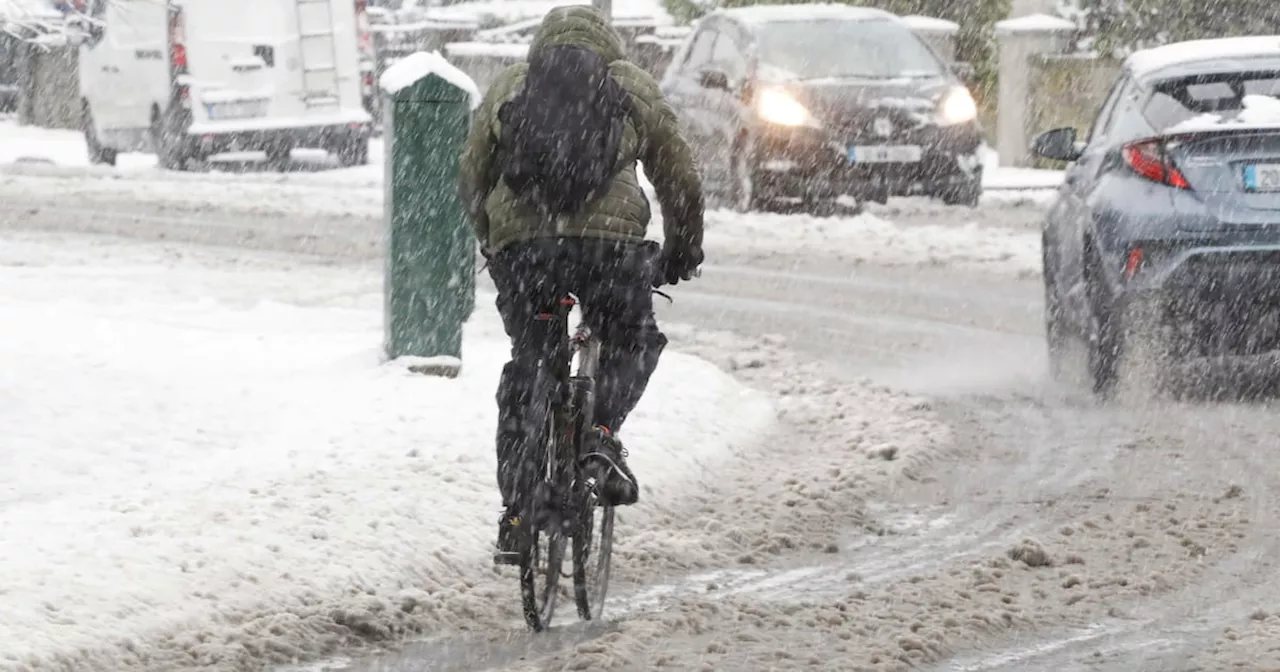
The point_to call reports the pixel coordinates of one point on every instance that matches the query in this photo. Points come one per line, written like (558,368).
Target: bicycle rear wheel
(542,558)
(540,566)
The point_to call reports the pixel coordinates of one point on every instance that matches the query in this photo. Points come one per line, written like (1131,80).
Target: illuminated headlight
(776,106)
(957,107)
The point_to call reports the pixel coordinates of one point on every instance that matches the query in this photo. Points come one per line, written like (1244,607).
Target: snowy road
(960,513)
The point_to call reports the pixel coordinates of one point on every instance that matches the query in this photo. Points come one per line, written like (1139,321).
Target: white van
(190,78)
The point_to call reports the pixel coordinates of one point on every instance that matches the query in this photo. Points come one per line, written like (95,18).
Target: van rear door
(295,63)
(232,62)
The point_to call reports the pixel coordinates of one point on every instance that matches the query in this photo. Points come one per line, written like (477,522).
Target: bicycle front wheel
(592,557)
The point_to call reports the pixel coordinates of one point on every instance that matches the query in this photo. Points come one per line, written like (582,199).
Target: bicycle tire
(539,609)
(590,583)
(539,602)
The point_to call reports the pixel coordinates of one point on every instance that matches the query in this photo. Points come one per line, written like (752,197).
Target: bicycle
(563,505)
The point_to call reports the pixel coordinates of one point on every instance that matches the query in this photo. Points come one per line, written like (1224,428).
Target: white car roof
(777,13)
(1149,61)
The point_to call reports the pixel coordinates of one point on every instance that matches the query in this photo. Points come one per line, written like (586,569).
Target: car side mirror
(1058,144)
(714,79)
(964,71)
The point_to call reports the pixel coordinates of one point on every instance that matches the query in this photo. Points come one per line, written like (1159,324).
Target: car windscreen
(1174,101)
(820,48)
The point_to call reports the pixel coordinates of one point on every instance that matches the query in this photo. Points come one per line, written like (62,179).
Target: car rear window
(1174,101)
(822,48)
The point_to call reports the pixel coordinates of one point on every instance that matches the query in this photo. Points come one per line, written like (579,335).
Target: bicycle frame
(563,500)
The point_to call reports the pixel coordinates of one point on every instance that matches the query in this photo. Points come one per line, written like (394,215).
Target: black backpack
(562,131)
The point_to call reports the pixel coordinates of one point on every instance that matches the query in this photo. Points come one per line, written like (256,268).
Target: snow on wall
(498,49)
(929,24)
(1040,23)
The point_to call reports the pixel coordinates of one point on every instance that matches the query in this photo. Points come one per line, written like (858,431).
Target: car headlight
(957,107)
(776,106)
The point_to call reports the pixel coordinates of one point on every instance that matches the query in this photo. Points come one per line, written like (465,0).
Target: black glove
(679,262)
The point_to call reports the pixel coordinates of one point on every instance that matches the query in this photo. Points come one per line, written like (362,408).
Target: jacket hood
(578,26)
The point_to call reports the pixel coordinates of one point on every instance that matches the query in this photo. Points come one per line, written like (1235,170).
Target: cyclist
(549,180)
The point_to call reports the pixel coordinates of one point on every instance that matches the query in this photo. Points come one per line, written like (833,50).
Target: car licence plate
(1262,177)
(885,154)
(237,109)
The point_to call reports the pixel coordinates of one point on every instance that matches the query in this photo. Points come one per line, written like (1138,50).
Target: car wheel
(1056,333)
(1105,334)
(743,194)
(1147,352)
(97,153)
(967,194)
(170,153)
(354,152)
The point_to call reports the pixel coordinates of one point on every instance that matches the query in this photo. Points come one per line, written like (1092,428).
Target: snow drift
(208,465)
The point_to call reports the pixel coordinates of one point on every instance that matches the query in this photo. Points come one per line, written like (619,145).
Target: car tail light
(1133,263)
(1149,159)
(362,28)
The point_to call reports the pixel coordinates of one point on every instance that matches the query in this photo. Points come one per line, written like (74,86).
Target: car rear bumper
(803,161)
(1215,301)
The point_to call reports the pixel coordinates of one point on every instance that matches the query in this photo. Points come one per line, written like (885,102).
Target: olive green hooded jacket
(620,211)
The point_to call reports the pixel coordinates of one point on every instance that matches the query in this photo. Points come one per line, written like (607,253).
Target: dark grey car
(1165,237)
(819,101)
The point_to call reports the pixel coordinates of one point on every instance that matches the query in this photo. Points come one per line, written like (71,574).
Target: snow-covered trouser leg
(618,305)
(612,280)
(625,368)
(524,276)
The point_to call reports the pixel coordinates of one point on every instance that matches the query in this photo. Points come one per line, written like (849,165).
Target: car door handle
(110,68)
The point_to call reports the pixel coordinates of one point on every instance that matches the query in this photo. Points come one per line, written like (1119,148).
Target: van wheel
(170,153)
(354,152)
(97,153)
(821,206)
(278,156)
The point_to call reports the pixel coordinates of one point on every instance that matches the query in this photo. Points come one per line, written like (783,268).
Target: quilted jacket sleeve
(667,160)
(477,171)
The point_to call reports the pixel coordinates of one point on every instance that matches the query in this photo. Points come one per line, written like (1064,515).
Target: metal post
(430,264)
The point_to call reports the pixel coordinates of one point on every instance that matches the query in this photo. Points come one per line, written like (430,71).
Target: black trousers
(612,282)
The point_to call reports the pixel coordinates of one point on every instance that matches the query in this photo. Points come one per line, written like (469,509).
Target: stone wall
(1067,91)
(49,89)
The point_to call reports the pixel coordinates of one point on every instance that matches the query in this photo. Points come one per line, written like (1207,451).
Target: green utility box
(430,264)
